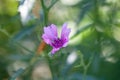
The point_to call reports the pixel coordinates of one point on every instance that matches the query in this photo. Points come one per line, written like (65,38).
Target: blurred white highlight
(111,1)
(70,2)
(24,10)
(72,58)
(116,33)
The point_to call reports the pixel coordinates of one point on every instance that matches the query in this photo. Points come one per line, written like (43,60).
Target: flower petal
(50,36)
(54,50)
(65,44)
(50,33)
(54,29)
(65,33)
(46,39)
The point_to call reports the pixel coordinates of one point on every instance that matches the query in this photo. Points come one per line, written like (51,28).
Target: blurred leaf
(84,10)
(82,29)
(16,74)
(20,57)
(3,70)
(7,9)
(23,33)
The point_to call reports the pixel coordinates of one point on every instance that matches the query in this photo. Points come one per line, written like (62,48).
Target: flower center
(57,43)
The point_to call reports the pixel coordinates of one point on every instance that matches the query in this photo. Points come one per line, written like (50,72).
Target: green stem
(53,2)
(50,66)
(45,12)
(85,66)
(85,73)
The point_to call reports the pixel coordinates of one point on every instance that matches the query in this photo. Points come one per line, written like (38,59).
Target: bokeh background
(93,52)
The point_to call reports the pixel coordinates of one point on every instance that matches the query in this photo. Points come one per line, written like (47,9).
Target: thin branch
(52,4)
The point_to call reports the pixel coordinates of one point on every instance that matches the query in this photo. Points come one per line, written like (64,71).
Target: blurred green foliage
(8,7)
(94,40)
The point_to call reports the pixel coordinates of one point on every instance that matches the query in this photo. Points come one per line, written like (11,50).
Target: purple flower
(50,36)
